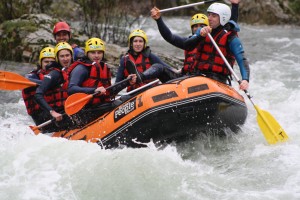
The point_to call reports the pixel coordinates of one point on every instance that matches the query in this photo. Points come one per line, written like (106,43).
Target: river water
(241,166)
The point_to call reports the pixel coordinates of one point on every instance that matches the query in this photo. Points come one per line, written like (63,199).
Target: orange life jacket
(142,63)
(100,75)
(208,58)
(54,97)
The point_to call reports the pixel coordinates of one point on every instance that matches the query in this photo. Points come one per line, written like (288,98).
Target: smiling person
(196,21)
(139,59)
(46,56)
(208,61)
(49,97)
(62,33)
(91,74)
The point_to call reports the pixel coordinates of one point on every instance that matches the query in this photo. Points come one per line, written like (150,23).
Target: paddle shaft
(274,131)
(74,103)
(108,88)
(36,130)
(228,65)
(187,6)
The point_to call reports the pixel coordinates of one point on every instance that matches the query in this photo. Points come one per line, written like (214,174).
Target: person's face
(64,58)
(196,26)
(95,56)
(45,62)
(138,44)
(214,20)
(62,36)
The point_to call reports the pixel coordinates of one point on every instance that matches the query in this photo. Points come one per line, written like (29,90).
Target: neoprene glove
(197,33)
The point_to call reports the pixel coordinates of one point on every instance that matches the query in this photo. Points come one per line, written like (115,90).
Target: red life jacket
(189,59)
(54,97)
(208,58)
(142,63)
(100,75)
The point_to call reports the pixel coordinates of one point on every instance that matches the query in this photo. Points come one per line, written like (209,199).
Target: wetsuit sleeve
(50,81)
(34,78)
(120,74)
(155,59)
(237,49)
(166,33)
(235,12)
(77,77)
(191,43)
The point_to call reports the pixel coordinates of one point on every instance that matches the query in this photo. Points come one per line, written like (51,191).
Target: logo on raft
(124,109)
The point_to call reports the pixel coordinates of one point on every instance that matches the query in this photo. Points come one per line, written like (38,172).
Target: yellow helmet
(47,52)
(61,46)
(139,33)
(94,44)
(199,19)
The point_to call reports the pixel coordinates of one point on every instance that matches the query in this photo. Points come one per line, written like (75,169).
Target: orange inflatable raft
(173,111)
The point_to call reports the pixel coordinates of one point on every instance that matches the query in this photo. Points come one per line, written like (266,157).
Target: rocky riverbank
(22,38)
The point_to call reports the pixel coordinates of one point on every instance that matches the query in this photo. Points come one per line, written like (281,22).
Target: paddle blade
(35,129)
(76,102)
(271,129)
(13,81)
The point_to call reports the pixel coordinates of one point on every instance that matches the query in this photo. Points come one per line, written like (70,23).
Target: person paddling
(91,74)
(196,21)
(208,61)
(138,59)
(47,100)
(192,57)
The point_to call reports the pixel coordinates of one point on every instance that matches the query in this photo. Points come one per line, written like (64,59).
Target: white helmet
(222,10)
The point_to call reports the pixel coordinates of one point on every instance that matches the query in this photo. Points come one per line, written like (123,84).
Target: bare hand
(235,1)
(205,31)
(155,13)
(132,79)
(57,116)
(100,90)
(244,85)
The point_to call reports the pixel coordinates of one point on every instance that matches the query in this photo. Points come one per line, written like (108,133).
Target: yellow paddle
(13,81)
(271,129)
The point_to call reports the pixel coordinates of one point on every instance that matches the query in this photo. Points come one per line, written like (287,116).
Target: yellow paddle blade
(271,129)
(13,81)
(76,102)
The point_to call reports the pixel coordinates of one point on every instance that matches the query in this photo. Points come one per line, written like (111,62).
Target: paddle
(188,5)
(13,81)
(36,129)
(271,129)
(77,101)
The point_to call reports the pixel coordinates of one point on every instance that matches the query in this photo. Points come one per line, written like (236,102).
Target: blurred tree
(112,20)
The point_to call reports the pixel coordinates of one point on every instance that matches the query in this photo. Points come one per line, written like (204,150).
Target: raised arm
(165,32)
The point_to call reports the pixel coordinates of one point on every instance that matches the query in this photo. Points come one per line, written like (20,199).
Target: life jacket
(208,59)
(142,63)
(54,97)
(189,59)
(100,75)
(28,96)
